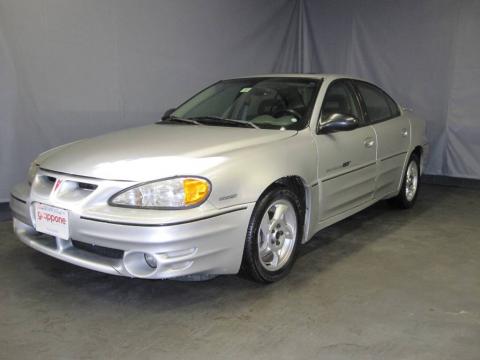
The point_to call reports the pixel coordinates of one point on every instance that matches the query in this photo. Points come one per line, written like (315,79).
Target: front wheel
(274,231)
(410,185)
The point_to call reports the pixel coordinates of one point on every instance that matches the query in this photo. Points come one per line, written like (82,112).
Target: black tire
(401,201)
(251,264)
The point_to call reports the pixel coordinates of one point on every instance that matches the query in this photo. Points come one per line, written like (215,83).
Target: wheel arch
(418,150)
(298,185)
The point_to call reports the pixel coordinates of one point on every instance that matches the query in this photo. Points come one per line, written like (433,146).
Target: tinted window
(393,107)
(379,105)
(339,99)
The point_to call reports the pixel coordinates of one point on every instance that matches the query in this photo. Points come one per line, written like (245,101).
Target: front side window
(269,103)
(379,105)
(339,99)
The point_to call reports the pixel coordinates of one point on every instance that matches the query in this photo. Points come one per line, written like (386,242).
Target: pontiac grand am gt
(234,179)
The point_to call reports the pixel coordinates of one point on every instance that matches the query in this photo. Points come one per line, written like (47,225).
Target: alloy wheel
(277,234)
(411,183)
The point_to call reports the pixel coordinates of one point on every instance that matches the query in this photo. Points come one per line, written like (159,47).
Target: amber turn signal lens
(195,190)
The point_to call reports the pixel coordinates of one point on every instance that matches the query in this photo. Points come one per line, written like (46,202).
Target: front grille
(87,186)
(99,250)
(65,189)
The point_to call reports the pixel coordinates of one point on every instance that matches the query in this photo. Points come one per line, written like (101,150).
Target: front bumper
(208,245)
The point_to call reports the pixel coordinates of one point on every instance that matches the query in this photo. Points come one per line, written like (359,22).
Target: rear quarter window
(378,104)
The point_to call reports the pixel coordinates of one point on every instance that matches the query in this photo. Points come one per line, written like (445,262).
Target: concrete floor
(384,284)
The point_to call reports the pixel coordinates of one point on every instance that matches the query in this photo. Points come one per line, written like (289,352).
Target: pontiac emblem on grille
(57,185)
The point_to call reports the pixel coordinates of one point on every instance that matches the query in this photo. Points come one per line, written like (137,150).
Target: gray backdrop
(72,69)
(426,53)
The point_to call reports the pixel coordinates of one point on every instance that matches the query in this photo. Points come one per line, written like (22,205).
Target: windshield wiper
(179,119)
(223,120)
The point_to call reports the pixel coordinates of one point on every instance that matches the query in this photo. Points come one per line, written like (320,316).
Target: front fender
(246,173)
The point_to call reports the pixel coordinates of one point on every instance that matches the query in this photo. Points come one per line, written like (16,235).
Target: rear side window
(393,107)
(379,105)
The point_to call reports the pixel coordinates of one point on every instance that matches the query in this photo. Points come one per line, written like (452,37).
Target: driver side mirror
(167,113)
(337,122)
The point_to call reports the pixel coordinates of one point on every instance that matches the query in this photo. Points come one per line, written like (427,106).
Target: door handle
(368,142)
(404,132)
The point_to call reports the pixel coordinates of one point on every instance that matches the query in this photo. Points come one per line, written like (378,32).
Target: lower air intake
(99,250)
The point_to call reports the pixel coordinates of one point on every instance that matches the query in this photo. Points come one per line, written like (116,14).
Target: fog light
(150,260)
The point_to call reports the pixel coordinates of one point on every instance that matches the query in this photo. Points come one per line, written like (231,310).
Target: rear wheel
(274,231)
(410,185)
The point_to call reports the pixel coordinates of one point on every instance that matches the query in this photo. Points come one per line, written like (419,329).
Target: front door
(347,159)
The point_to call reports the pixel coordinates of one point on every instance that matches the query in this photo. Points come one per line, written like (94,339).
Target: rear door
(393,136)
(347,159)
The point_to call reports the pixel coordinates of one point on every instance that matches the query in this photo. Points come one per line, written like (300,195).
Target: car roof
(301,75)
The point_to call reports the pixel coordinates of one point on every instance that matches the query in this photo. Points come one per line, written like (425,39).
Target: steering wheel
(284,112)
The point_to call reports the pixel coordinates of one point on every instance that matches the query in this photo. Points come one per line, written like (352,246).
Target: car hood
(154,151)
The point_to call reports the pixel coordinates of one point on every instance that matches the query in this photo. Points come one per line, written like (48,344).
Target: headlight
(32,171)
(173,193)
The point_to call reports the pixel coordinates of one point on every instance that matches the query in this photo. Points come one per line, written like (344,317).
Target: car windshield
(282,103)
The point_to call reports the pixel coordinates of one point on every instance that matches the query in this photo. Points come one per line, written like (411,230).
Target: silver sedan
(234,179)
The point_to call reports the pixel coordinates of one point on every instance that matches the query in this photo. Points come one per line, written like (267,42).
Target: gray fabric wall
(72,69)
(426,53)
